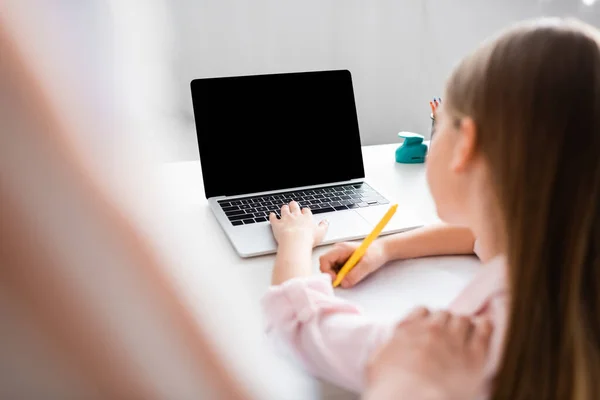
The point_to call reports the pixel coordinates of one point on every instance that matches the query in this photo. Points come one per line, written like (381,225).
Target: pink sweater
(334,340)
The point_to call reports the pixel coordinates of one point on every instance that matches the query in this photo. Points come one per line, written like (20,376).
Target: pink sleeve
(329,335)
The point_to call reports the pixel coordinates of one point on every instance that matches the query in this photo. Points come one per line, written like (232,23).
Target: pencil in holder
(432,126)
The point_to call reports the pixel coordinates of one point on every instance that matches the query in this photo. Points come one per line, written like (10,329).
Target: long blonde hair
(534,94)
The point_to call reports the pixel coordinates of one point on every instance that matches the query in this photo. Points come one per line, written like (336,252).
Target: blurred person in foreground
(89,307)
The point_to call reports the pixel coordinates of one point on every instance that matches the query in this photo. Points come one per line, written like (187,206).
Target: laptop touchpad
(344,225)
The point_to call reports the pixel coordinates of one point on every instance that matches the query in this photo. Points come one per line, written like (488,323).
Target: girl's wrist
(387,250)
(296,239)
(293,259)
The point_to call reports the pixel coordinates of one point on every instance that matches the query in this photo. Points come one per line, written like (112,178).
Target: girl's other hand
(334,259)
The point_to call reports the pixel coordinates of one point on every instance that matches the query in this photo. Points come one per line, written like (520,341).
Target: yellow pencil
(360,251)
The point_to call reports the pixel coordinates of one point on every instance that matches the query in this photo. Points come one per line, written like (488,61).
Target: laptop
(265,140)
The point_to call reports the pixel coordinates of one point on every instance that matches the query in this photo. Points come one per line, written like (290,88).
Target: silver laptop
(265,140)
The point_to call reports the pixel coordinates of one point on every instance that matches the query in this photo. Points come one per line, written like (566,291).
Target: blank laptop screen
(268,132)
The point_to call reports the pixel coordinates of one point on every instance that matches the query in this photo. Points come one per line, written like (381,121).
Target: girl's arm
(434,240)
(331,338)
(296,235)
(293,259)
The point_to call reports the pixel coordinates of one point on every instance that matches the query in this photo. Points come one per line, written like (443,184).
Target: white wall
(399,51)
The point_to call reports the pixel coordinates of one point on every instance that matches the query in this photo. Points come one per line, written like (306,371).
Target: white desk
(389,293)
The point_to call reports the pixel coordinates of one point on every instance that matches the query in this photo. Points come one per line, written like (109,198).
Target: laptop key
(260,219)
(338,208)
(235,212)
(344,197)
(236,223)
(351,206)
(323,210)
(362,204)
(248,221)
(383,201)
(237,217)
(261,208)
(335,203)
(230,208)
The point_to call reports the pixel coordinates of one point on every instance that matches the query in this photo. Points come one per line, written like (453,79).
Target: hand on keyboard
(296,226)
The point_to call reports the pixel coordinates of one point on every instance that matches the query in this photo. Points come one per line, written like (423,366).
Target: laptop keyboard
(251,210)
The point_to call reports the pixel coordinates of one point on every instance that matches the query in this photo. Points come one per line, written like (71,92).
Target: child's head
(518,142)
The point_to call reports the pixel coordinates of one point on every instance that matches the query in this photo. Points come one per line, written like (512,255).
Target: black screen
(268,132)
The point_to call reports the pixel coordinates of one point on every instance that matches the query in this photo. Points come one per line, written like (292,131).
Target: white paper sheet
(400,286)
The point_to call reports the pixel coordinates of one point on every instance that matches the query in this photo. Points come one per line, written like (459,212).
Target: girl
(516,159)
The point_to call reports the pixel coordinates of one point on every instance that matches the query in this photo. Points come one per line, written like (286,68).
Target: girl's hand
(297,225)
(431,356)
(335,258)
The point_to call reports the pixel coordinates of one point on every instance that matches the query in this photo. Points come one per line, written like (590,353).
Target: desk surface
(387,294)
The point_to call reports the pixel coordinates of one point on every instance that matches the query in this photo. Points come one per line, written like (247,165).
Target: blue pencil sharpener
(413,150)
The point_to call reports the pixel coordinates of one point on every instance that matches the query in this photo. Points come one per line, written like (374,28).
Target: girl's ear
(464,150)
